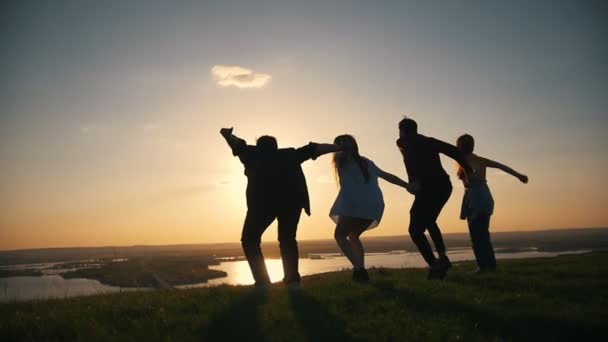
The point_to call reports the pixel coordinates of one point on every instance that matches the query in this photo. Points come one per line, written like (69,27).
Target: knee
(250,244)
(287,241)
(339,236)
(415,231)
(353,237)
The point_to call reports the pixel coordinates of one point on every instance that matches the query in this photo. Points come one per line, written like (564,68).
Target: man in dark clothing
(432,189)
(276,189)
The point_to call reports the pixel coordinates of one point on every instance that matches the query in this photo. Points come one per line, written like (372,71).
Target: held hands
(225,132)
(413,187)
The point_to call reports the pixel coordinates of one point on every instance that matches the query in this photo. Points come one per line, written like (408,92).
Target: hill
(563,298)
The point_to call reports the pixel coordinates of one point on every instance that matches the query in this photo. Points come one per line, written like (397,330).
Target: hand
(413,187)
(226,131)
(523,178)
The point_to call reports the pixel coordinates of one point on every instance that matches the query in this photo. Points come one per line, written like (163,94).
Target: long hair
(466,145)
(352,153)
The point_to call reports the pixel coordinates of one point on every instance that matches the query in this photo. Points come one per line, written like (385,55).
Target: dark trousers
(256,222)
(423,216)
(479,229)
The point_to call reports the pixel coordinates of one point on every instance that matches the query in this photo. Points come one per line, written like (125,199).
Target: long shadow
(239,322)
(316,321)
(508,324)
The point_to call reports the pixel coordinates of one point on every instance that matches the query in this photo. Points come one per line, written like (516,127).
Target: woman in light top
(478,204)
(359,205)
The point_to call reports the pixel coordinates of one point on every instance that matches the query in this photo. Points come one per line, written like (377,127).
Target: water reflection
(54,286)
(239,273)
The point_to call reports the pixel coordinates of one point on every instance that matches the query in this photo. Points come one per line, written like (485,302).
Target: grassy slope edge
(563,298)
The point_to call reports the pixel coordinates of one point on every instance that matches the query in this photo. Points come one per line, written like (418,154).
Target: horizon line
(237,242)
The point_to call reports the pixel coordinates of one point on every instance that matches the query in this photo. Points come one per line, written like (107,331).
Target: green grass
(563,298)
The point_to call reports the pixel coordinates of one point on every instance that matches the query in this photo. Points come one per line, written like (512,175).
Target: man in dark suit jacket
(276,189)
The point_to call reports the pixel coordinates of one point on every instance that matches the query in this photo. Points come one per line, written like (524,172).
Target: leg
(484,250)
(475,243)
(256,223)
(340,235)
(437,238)
(358,227)
(418,224)
(438,202)
(288,225)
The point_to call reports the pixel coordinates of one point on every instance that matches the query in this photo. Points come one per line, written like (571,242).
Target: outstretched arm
(505,168)
(233,141)
(391,178)
(327,148)
(454,153)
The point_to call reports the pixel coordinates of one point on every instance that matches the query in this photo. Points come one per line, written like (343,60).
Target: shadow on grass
(317,322)
(239,321)
(492,320)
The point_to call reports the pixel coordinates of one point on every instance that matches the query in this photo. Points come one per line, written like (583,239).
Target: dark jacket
(422,162)
(275,179)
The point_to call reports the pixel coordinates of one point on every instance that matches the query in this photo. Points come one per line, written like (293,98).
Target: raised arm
(505,168)
(233,141)
(452,152)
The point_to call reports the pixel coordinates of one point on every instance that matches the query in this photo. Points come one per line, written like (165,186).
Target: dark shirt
(422,162)
(275,179)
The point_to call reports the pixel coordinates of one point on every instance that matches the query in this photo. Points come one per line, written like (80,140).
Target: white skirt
(360,204)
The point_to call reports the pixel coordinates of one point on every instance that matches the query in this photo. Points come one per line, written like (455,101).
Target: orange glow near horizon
(109,134)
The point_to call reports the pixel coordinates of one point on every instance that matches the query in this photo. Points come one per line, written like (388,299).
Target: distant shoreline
(447,234)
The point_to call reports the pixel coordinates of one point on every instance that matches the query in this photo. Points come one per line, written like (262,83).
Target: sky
(110,110)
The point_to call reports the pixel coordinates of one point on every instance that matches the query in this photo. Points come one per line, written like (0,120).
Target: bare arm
(391,178)
(505,168)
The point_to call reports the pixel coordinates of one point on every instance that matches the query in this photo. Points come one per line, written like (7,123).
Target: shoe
(294,286)
(445,262)
(361,276)
(437,271)
(261,287)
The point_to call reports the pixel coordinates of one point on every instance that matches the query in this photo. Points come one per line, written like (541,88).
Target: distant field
(563,298)
(157,272)
(547,240)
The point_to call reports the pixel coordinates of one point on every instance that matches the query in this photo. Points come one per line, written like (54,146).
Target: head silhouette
(407,127)
(350,151)
(267,143)
(466,143)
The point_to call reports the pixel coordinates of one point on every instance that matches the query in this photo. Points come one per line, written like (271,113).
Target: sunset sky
(110,110)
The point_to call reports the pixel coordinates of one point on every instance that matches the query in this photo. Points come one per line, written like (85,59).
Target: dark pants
(423,215)
(479,228)
(256,222)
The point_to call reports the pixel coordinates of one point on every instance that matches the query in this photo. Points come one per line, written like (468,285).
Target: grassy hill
(564,298)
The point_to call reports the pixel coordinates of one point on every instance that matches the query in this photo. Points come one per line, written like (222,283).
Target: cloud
(225,76)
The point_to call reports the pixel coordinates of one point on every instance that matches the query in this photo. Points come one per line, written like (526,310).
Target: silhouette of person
(276,189)
(477,202)
(432,188)
(359,205)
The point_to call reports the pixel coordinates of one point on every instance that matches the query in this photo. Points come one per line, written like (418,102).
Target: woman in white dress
(359,205)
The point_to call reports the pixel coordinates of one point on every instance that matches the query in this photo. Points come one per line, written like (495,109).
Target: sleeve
(238,146)
(411,175)
(242,150)
(373,168)
(452,152)
(306,152)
